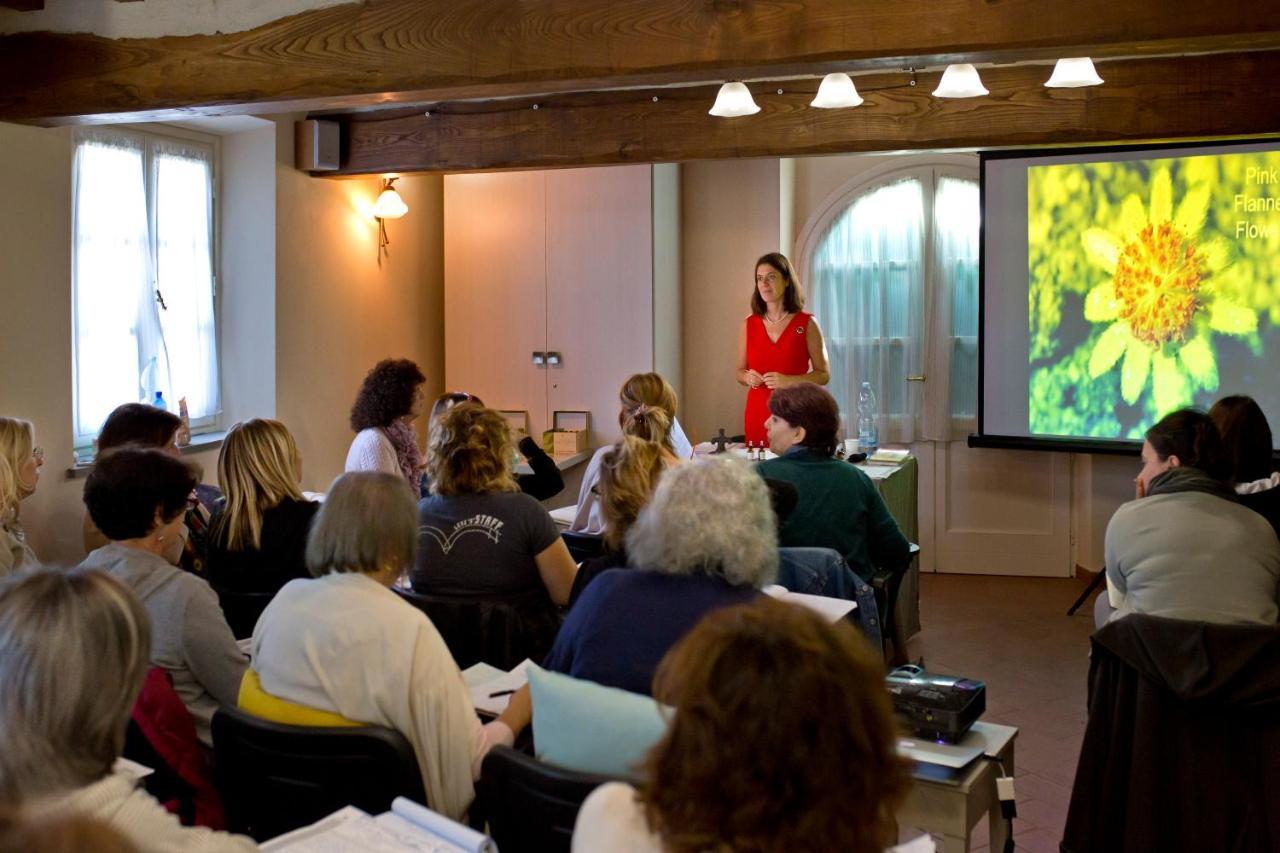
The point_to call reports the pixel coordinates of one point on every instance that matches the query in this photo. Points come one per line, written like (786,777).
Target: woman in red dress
(780,345)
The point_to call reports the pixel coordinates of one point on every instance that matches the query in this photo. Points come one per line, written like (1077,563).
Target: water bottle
(159,403)
(868,431)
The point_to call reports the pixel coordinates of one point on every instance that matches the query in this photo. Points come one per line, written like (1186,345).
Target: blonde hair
(17,438)
(257,468)
(629,473)
(648,408)
(74,647)
(469,452)
(367,523)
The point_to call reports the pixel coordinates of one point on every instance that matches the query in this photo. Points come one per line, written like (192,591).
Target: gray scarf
(1187,479)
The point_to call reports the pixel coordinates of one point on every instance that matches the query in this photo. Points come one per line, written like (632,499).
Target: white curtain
(866,278)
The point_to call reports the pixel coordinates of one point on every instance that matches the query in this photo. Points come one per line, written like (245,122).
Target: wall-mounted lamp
(388,206)
(836,91)
(1073,73)
(960,81)
(734,100)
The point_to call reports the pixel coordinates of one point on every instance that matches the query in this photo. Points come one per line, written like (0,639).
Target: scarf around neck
(404,438)
(1187,479)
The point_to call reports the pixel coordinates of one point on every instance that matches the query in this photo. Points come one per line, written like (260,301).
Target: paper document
(833,609)
(886,454)
(484,680)
(407,828)
(564,516)
(981,739)
(131,768)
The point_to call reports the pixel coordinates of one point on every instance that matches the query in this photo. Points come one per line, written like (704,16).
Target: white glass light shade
(389,205)
(1073,73)
(960,81)
(836,90)
(733,100)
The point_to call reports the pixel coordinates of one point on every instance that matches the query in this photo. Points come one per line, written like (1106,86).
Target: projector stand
(1088,591)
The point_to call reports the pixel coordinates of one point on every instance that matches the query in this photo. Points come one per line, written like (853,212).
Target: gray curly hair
(712,517)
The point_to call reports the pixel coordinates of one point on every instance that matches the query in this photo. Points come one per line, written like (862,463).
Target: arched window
(892,269)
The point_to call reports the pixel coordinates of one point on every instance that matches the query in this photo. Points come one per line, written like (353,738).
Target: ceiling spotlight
(960,81)
(836,90)
(1073,73)
(733,100)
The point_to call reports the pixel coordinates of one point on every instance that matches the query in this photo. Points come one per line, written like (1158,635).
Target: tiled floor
(1014,634)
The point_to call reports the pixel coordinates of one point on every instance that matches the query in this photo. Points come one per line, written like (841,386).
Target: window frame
(150,134)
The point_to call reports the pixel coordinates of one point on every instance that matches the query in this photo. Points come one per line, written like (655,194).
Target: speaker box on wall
(316,145)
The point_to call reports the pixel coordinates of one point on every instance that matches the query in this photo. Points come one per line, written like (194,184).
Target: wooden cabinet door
(599,288)
(495,302)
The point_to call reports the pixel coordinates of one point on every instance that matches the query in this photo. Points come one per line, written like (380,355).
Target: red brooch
(799,330)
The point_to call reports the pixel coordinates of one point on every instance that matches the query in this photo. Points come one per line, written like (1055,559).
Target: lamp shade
(836,90)
(733,100)
(1073,73)
(389,205)
(960,81)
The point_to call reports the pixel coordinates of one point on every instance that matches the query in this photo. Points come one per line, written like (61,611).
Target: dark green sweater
(838,508)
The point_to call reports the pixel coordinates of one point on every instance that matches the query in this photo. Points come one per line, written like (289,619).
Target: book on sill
(889,456)
(484,680)
(407,828)
(832,609)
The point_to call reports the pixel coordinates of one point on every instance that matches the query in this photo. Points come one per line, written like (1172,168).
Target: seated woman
(1185,549)
(258,537)
(390,399)
(629,472)
(648,411)
(1247,443)
(78,642)
(782,739)
(345,644)
(137,498)
(706,540)
(20,462)
(545,481)
(147,426)
(838,506)
(480,537)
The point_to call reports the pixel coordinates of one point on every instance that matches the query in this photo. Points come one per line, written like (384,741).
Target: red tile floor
(1014,634)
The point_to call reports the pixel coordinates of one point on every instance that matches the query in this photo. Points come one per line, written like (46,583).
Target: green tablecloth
(900,490)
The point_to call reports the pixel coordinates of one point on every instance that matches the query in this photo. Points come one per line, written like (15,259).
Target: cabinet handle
(539,359)
(554,359)
(919,378)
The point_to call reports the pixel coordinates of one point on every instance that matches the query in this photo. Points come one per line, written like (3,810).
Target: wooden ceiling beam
(381,52)
(23,5)
(1142,99)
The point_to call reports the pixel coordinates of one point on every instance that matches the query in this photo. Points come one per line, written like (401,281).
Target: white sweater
(345,643)
(371,450)
(116,800)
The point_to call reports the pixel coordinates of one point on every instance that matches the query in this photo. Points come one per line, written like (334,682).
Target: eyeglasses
(37,453)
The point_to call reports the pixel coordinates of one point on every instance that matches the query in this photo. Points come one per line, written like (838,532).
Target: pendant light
(960,81)
(1073,73)
(835,91)
(733,100)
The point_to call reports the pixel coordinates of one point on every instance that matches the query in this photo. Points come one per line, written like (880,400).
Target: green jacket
(840,508)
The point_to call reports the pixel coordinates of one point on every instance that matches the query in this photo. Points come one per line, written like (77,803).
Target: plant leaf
(1191,211)
(1231,319)
(1108,349)
(1100,304)
(1198,358)
(1136,369)
(1101,247)
(1161,197)
(1169,384)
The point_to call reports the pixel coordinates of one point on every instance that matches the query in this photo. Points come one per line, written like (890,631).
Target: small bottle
(868,420)
(158,401)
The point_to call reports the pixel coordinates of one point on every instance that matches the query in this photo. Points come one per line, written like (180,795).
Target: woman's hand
(754,379)
(776,380)
(1139,490)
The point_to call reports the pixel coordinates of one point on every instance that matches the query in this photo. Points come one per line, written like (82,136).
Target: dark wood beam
(381,52)
(1142,99)
(23,5)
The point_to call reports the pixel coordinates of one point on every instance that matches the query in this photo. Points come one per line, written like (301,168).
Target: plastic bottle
(158,401)
(868,419)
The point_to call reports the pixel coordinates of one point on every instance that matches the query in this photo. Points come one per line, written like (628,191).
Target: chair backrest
(276,778)
(499,632)
(242,609)
(583,546)
(531,805)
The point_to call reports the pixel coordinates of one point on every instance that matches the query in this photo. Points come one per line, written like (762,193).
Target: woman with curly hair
(782,739)
(390,398)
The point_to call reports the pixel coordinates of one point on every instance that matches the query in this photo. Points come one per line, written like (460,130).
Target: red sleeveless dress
(789,355)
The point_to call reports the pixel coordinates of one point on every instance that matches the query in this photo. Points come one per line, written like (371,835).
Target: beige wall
(729,217)
(337,311)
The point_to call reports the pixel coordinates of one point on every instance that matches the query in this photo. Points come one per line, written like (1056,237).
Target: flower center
(1156,283)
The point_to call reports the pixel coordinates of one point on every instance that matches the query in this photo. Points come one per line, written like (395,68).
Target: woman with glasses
(780,344)
(20,462)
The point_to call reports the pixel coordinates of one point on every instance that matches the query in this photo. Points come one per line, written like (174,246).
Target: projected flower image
(1138,286)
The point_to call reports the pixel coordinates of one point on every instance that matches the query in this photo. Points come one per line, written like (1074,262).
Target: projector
(937,707)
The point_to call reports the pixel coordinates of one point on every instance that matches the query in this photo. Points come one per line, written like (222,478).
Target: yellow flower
(1161,307)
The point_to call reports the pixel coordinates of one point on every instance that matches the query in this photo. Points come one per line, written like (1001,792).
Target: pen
(501,693)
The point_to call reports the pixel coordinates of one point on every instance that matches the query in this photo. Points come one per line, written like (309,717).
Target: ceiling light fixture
(733,100)
(1073,73)
(836,91)
(960,81)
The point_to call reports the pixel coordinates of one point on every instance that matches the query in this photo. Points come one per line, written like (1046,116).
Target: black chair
(242,609)
(583,546)
(887,582)
(532,806)
(499,632)
(277,778)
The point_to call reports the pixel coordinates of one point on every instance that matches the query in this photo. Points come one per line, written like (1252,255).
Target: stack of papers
(484,681)
(407,828)
(889,455)
(832,609)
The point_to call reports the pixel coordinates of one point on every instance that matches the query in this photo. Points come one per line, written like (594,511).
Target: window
(894,283)
(143,279)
